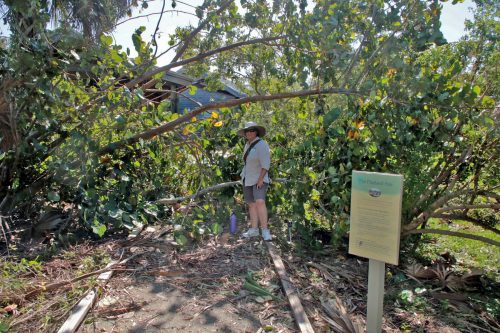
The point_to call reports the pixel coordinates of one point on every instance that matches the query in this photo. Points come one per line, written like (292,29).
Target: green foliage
(410,104)
(493,308)
(10,269)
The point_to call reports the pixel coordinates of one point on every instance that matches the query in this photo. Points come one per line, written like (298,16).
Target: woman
(255,178)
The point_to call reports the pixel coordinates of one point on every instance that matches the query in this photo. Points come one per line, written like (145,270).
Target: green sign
(375,226)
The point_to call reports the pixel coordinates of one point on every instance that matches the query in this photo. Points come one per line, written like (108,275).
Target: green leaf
(164,106)
(315,195)
(4,327)
(98,228)
(181,239)
(137,41)
(331,116)
(487,101)
(115,213)
(193,90)
(216,228)
(476,90)
(116,56)
(53,196)
(442,97)
(307,211)
(106,40)
(126,218)
(120,119)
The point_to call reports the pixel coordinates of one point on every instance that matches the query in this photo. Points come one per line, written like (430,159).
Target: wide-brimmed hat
(249,125)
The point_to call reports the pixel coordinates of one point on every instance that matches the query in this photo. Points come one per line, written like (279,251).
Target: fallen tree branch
(463,207)
(113,311)
(59,284)
(155,131)
(170,201)
(452,233)
(467,218)
(440,202)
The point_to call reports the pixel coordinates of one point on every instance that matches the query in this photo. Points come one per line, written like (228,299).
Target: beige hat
(248,125)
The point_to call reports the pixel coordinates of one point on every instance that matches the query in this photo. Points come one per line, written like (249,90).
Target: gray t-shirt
(258,158)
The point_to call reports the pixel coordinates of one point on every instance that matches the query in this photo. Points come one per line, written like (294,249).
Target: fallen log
(171,201)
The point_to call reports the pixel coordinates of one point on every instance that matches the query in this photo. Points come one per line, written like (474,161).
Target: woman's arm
(260,181)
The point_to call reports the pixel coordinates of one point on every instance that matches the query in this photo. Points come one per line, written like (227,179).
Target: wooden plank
(80,310)
(78,313)
(293,298)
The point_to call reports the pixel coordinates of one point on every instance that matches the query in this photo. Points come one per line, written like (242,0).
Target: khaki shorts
(252,193)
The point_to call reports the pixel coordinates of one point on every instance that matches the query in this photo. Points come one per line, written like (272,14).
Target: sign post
(375,303)
(375,228)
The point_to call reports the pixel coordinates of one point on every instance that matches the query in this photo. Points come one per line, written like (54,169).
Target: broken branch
(453,233)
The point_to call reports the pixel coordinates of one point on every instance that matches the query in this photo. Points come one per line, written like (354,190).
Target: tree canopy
(341,85)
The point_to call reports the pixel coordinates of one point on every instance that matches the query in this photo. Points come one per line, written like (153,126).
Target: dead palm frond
(339,317)
(420,272)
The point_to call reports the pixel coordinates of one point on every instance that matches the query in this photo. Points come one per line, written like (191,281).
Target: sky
(452,23)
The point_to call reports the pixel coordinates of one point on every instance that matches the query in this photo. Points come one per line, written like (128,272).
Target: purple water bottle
(232,223)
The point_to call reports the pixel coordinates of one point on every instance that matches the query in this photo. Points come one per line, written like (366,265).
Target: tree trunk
(8,127)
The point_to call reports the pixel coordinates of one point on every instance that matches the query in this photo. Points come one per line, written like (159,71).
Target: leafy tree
(342,85)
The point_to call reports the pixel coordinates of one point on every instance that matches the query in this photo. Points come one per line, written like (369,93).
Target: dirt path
(162,288)
(196,291)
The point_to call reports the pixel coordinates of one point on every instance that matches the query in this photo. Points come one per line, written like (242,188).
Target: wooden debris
(297,308)
(449,296)
(339,318)
(79,312)
(324,272)
(171,201)
(420,272)
(82,308)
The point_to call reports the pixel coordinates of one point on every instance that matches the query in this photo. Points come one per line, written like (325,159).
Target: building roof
(180,79)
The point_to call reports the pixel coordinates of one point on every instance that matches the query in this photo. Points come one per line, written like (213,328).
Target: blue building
(183,102)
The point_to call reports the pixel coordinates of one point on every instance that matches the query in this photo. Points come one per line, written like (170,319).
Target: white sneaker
(266,235)
(252,232)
